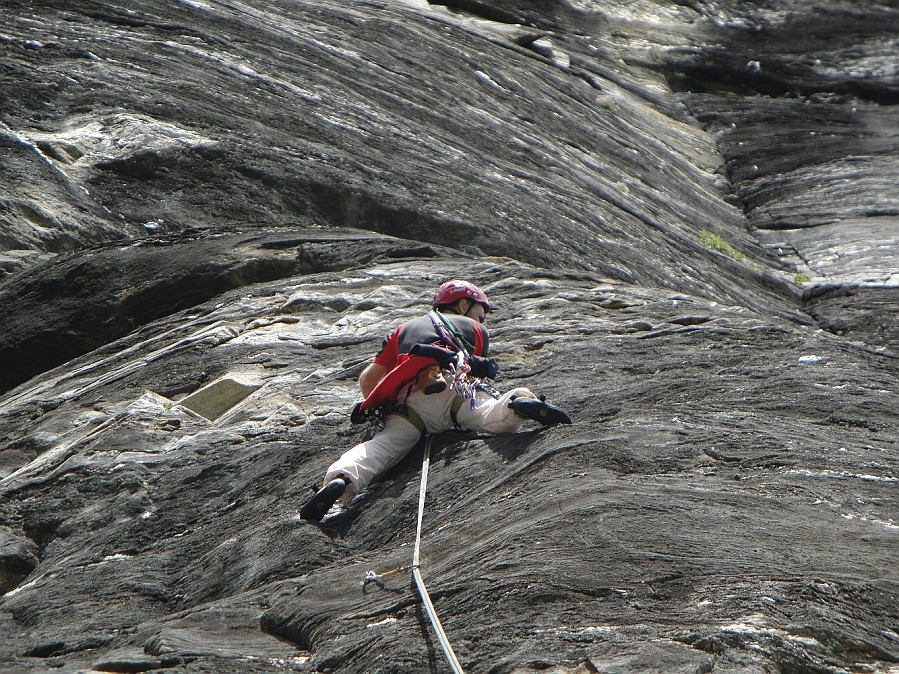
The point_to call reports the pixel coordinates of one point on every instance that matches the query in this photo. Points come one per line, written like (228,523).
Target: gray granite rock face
(213,212)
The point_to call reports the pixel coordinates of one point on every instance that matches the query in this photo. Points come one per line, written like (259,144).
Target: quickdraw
(489,389)
(464,384)
(378,578)
(374,417)
(462,381)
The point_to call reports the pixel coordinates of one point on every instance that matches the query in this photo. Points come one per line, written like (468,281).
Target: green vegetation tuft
(801,278)
(715,242)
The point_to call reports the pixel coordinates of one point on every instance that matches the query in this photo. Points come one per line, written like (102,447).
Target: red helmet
(455,290)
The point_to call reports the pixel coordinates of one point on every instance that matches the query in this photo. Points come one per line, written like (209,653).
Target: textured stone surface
(684,213)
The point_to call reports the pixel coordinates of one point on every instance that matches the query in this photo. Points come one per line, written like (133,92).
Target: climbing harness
(372,577)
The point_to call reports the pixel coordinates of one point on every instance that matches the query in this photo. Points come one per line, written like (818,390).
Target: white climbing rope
(416,573)
(376,578)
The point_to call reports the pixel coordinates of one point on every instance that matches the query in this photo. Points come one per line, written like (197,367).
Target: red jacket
(422,331)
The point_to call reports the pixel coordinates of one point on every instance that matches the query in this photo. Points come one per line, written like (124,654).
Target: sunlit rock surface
(213,212)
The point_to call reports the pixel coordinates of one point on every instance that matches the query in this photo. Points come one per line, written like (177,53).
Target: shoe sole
(552,417)
(542,413)
(316,507)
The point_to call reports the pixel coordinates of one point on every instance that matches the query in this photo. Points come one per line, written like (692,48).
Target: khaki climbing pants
(369,459)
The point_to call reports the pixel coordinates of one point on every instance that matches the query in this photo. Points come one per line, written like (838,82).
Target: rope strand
(376,578)
(419,582)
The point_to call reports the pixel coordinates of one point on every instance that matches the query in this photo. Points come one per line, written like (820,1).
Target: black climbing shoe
(538,410)
(324,498)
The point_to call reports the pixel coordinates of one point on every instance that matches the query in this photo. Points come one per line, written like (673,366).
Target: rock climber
(416,380)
